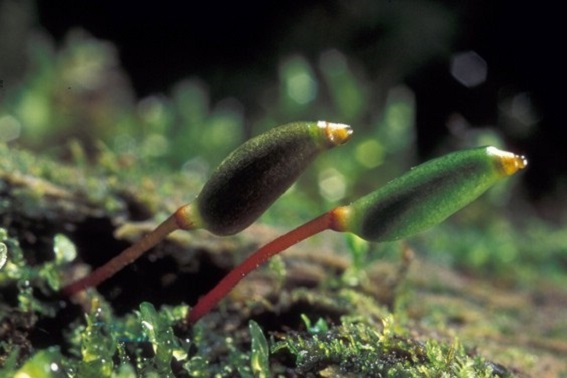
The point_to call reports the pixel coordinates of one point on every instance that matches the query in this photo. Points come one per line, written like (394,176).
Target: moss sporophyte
(241,188)
(254,175)
(423,197)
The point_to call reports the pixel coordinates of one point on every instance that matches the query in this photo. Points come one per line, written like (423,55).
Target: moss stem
(124,258)
(209,300)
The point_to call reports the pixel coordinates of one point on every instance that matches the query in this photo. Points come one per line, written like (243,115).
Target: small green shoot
(320,325)
(260,354)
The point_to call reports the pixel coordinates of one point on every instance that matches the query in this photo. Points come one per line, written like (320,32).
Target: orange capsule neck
(187,217)
(339,218)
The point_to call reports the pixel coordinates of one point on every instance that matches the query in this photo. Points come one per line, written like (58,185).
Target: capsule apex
(336,133)
(510,163)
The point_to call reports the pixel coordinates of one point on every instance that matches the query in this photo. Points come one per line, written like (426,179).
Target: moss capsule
(244,185)
(253,176)
(427,194)
(421,198)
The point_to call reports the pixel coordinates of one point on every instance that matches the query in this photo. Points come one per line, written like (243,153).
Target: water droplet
(54,367)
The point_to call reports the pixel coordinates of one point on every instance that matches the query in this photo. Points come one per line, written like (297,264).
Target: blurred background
(178,86)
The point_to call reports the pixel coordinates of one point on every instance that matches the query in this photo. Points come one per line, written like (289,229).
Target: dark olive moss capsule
(253,176)
(427,194)
(245,184)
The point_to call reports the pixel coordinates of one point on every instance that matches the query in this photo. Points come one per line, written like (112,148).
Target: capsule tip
(337,133)
(509,162)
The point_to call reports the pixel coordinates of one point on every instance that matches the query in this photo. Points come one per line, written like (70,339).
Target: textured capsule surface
(427,194)
(254,175)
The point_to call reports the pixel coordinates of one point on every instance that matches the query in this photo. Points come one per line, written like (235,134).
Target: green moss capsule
(420,199)
(253,176)
(427,194)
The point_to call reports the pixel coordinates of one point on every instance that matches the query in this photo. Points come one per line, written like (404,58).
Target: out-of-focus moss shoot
(427,194)
(244,185)
(421,198)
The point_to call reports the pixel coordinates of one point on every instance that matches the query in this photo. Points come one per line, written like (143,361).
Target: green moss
(46,363)
(360,349)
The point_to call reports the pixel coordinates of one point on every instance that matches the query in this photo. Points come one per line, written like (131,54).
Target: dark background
(236,48)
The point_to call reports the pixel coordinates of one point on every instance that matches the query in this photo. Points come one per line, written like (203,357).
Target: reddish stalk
(124,258)
(240,189)
(323,222)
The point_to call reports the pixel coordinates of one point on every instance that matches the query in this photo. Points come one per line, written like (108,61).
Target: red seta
(326,221)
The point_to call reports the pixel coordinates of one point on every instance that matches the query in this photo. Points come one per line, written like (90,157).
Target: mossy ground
(482,295)
(396,315)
